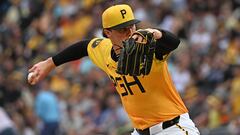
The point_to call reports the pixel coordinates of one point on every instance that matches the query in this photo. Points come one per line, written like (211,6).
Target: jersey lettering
(125,93)
(123,12)
(127,85)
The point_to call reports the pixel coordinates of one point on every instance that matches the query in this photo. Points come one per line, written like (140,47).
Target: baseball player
(151,101)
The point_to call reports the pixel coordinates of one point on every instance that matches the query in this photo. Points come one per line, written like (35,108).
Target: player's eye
(123,30)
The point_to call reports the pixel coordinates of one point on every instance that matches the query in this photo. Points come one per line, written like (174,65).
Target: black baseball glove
(136,56)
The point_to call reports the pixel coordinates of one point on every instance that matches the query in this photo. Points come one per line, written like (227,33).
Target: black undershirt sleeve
(167,43)
(71,53)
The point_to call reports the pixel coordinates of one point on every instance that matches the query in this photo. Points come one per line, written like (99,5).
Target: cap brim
(126,24)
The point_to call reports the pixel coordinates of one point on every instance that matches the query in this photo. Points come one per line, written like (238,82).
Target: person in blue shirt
(47,110)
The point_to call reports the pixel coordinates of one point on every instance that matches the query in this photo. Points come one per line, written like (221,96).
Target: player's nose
(129,32)
(132,29)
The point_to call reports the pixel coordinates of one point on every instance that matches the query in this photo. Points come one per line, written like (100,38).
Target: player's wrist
(50,63)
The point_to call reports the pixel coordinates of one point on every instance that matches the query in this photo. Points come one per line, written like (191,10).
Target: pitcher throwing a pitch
(136,62)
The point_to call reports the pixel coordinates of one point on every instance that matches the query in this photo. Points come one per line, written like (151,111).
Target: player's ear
(106,33)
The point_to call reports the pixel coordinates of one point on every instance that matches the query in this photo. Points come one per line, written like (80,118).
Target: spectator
(6,126)
(47,110)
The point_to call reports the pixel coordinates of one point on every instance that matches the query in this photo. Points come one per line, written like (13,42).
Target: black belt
(165,125)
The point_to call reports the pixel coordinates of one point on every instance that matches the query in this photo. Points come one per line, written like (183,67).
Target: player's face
(127,30)
(119,35)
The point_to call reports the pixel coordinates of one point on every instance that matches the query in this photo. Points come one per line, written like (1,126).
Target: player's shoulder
(97,42)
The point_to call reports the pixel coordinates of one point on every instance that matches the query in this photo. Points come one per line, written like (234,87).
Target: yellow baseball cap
(118,16)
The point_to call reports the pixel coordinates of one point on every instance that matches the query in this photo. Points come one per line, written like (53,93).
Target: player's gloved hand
(40,71)
(137,54)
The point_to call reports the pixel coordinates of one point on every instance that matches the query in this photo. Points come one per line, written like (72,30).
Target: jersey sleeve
(98,52)
(71,53)
(165,45)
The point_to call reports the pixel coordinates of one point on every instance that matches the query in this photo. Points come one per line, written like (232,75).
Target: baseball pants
(184,126)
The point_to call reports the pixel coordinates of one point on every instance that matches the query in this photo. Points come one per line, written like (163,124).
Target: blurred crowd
(80,99)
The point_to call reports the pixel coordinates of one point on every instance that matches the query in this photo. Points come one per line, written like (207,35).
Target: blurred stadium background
(205,68)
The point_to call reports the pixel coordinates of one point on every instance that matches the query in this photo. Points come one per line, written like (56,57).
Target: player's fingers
(134,36)
(156,33)
(139,38)
(32,69)
(144,40)
(150,30)
(32,82)
(31,79)
(34,77)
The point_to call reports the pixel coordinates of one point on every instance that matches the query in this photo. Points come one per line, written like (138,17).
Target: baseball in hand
(31,76)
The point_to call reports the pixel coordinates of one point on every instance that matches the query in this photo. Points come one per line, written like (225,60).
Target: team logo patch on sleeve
(96,42)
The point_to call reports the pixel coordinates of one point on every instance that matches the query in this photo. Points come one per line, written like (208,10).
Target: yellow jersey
(149,99)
